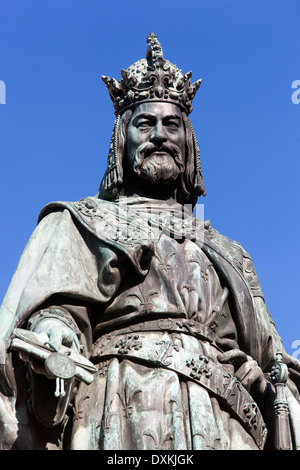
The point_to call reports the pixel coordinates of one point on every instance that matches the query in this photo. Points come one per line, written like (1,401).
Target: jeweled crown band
(152,79)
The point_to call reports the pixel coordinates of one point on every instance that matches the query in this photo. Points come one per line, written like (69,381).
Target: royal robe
(156,296)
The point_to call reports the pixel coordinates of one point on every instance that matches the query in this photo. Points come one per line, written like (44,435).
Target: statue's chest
(181,279)
(182,261)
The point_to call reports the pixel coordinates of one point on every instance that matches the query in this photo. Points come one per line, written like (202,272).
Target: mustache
(145,150)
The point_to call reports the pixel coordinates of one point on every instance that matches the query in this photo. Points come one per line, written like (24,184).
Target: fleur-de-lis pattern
(126,398)
(160,435)
(164,260)
(143,298)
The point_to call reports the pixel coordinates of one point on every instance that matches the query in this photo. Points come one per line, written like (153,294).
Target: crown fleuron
(152,79)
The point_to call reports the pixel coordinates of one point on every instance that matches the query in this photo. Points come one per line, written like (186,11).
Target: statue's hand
(57,333)
(54,333)
(247,371)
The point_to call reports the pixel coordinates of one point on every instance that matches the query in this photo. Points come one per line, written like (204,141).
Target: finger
(75,344)
(235,356)
(37,366)
(42,336)
(24,356)
(254,377)
(66,337)
(245,369)
(55,337)
(70,339)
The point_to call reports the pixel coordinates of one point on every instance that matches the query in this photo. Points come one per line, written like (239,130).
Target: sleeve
(60,260)
(68,272)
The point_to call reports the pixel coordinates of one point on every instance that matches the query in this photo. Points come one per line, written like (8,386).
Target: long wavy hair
(190,183)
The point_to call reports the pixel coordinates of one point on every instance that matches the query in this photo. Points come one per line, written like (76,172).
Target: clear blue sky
(56,124)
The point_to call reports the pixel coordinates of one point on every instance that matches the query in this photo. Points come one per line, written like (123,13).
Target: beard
(158,164)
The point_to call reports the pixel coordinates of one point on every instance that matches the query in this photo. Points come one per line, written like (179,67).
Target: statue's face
(156,142)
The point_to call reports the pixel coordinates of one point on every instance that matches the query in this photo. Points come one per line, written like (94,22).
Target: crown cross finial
(154,49)
(152,79)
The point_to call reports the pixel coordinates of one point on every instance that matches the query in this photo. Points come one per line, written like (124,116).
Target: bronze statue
(129,323)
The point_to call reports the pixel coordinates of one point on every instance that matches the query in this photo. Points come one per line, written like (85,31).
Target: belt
(146,348)
(180,325)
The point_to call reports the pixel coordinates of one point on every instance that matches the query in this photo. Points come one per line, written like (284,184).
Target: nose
(158,135)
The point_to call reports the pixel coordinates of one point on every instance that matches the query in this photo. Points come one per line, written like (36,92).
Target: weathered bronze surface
(132,325)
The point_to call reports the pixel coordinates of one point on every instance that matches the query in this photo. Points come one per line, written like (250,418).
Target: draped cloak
(131,264)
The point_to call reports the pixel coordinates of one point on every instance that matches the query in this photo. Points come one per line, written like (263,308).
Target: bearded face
(156,143)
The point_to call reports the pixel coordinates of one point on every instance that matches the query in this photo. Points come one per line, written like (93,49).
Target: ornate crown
(152,79)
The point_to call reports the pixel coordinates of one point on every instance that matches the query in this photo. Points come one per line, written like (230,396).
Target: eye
(144,124)
(172,125)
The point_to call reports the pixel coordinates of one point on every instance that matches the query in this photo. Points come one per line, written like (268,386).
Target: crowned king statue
(131,324)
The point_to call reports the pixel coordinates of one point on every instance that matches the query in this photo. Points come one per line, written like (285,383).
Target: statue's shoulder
(236,254)
(98,214)
(110,223)
(229,245)
(86,206)
(102,218)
